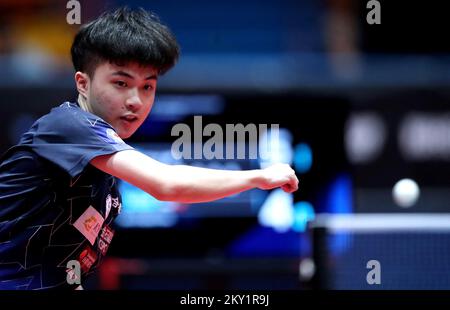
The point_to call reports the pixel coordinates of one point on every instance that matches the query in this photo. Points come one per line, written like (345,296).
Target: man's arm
(188,184)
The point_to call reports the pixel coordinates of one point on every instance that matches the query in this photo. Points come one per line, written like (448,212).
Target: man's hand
(279,175)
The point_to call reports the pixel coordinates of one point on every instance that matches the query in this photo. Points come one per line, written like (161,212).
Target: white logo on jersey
(113,135)
(108,206)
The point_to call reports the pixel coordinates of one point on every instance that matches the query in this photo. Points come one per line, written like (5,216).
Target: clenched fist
(279,175)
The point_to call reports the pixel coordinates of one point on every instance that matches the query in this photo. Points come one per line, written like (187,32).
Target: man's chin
(125,136)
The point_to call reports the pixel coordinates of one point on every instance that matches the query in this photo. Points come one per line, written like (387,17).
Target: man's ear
(82,81)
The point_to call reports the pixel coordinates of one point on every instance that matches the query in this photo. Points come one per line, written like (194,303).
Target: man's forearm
(193,184)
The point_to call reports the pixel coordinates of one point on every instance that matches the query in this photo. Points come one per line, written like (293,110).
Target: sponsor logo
(103,246)
(87,259)
(111,134)
(115,202)
(108,206)
(107,134)
(117,205)
(89,224)
(106,236)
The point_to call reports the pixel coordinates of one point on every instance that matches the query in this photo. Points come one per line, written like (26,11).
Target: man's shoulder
(71,110)
(64,121)
(69,116)
(24,160)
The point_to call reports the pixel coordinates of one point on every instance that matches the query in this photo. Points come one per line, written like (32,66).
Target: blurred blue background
(359,107)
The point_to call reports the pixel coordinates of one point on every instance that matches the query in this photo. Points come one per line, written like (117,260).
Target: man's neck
(83,104)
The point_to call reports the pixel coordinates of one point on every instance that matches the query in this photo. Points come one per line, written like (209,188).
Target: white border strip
(383,222)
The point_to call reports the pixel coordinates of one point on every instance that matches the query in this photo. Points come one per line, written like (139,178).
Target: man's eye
(148,87)
(121,83)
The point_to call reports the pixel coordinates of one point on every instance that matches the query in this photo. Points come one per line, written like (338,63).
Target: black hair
(124,36)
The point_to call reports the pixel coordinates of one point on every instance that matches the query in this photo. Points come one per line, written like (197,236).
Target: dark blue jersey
(54,206)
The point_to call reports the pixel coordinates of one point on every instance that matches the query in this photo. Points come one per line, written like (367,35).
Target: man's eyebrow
(152,77)
(123,73)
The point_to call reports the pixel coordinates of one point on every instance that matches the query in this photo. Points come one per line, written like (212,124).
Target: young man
(58,195)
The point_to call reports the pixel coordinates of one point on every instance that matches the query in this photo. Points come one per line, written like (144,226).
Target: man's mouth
(129,118)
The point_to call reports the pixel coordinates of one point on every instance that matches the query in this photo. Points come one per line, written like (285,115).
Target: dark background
(309,66)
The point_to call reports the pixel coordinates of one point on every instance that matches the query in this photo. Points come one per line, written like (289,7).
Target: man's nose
(133,103)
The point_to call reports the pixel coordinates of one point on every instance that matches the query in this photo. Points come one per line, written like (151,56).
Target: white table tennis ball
(405,193)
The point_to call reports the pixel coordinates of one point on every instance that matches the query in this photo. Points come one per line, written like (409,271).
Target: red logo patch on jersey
(87,259)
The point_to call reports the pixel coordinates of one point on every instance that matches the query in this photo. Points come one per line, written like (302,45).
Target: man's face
(122,95)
